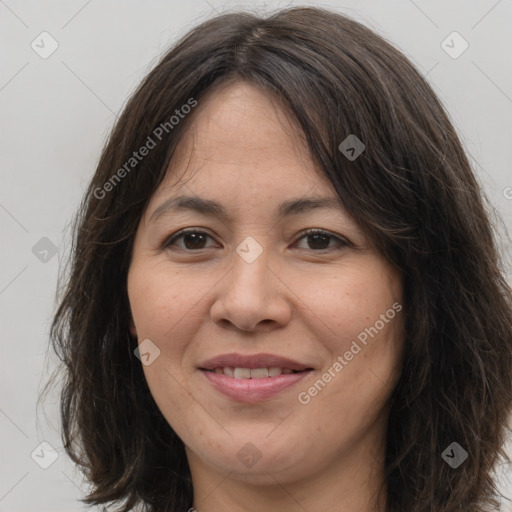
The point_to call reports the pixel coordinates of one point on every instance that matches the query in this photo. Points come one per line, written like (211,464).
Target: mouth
(253,373)
(252,378)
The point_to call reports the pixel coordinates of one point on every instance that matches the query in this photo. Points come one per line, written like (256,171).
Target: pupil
(196,240)
(317,237)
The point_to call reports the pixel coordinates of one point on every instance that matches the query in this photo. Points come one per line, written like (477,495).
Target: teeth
(242,373)
(274,371)
(253,373)
(259,373)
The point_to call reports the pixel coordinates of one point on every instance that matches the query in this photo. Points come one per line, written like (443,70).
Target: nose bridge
(250,265)
(250,250)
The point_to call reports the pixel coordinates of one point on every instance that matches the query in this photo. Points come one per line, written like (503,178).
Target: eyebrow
(212,208)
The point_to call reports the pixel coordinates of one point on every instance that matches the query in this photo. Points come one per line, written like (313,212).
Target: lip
(251,361)
(252,390)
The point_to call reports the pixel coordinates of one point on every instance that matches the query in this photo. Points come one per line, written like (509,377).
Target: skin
(301,298)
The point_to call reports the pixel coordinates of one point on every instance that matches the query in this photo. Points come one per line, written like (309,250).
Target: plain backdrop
(56,111)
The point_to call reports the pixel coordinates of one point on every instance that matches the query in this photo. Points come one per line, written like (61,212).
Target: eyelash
(313,231)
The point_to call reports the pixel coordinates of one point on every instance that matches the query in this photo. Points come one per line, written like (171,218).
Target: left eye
(318,240)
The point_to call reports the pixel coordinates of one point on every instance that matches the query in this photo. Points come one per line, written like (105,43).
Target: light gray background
(56,113)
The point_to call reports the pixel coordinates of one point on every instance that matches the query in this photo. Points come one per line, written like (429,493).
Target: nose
(251,297)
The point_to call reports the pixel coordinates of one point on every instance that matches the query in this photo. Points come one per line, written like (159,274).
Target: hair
(413,193)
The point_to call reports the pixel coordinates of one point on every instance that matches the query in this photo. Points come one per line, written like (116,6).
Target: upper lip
(252,361)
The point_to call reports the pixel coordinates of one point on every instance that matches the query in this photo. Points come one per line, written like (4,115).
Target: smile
(253,373)
(242,386)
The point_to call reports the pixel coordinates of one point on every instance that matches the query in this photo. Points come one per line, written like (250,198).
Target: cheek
(356,313)
(345,303)
(364,360)
(159,300)
(161,308)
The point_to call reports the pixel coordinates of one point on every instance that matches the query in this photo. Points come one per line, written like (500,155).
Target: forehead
(243,136)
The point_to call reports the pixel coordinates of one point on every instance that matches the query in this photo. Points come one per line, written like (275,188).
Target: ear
(133,330)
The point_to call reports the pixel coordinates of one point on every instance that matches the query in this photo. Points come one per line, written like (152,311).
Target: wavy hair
(412,191)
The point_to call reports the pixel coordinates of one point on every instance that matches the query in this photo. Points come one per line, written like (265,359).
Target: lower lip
(253,390)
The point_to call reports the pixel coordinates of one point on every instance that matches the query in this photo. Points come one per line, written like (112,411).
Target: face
(312,317)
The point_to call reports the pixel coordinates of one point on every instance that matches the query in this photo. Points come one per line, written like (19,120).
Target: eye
(192,239)
(318,240)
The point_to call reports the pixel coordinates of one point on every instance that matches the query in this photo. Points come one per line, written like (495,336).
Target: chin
(259,462)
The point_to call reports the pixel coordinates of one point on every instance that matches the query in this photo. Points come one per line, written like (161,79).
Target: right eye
(192,239)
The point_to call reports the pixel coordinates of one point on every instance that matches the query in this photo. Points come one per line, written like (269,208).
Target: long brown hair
(413,193)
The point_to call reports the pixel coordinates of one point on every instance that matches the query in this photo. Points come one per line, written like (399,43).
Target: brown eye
(319,240)
(192,240)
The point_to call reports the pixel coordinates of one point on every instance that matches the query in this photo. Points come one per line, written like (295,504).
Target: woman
(285,291)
